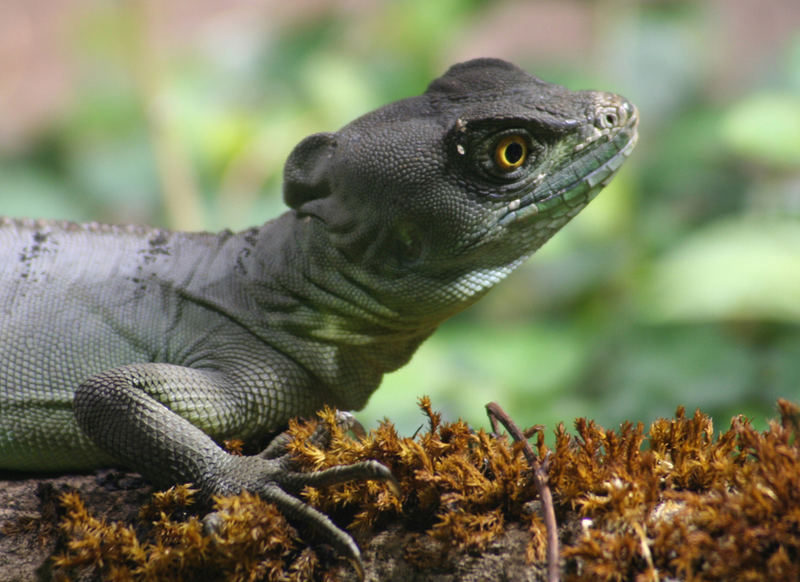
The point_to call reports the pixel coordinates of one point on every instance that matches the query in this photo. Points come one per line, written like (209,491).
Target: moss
(687,505)
(673,502)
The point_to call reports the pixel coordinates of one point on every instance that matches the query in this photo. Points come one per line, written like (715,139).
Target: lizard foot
(272,475)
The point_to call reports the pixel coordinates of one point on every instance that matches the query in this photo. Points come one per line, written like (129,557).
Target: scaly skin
(145,347)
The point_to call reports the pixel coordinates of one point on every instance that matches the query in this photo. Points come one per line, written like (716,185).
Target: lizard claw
(300,512)
(348,421)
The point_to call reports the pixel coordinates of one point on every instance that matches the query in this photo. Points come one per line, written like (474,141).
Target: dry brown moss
(687,506)
(460,486)
(254,543)
(676,502)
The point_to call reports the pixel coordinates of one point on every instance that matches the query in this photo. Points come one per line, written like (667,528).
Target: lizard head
(431,200)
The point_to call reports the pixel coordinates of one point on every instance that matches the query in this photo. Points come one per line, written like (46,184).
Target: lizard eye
(510,153)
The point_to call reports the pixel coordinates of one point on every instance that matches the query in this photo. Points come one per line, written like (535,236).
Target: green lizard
(145,348)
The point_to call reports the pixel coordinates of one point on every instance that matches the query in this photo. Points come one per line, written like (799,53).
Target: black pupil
(514,153)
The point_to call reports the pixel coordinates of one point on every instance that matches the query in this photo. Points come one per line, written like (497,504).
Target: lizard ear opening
(305,175)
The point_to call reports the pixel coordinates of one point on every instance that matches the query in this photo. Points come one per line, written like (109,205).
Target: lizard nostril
(613,112)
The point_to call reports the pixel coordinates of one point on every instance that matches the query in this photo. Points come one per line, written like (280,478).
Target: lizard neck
(321,310)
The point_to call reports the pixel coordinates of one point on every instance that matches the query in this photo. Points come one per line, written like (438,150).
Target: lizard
(145,348)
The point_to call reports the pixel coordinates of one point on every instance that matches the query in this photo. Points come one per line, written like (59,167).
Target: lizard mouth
(572,186)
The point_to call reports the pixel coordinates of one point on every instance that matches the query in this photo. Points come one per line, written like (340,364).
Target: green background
(679,285)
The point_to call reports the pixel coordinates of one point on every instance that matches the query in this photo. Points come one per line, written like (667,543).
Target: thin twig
(496,413)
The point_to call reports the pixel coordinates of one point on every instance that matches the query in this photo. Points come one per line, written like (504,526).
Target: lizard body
(146,347)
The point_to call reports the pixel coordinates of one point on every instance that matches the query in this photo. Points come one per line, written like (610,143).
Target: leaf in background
(765,127)
(736,269)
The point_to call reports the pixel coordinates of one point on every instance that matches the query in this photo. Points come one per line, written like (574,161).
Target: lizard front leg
(157,418)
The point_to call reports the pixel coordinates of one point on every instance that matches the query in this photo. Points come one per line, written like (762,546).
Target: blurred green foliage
(680,285)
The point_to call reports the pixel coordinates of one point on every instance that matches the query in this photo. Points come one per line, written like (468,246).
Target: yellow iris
(510,153)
